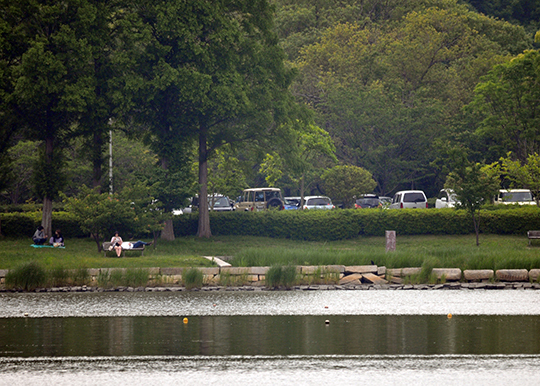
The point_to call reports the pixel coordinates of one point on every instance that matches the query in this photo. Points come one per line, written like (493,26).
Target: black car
(367,201)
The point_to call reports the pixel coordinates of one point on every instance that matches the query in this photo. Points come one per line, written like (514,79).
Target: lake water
(271,338)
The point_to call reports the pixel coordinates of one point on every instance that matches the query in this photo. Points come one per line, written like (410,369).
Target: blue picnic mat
(44,246)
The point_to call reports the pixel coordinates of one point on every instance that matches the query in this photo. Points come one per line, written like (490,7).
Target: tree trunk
(302,188)
(99,244)
(168,231)
(476,229)
(46,218)
(204,216)
(97,159)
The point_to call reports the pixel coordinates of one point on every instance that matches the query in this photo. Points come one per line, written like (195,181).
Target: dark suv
(367,201)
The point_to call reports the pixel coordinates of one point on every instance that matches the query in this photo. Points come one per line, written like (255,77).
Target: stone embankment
(224,277)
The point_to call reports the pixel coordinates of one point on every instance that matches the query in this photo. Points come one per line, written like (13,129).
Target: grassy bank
(495,252)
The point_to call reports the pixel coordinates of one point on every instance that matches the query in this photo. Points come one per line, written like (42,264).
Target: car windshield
(319,201)
(516,196)
(220,202)
(367,201)
(413,197)
(291,201)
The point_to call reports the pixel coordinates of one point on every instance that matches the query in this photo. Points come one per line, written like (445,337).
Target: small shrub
(281,276)
(193,278)
(28,277)
(136,277)
(288,276)
(116,278)
(58,277)
(81,276)
(273,276)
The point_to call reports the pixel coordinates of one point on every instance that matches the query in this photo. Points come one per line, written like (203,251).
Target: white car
(515,196)
(406,199)
(318,202)
(446,199)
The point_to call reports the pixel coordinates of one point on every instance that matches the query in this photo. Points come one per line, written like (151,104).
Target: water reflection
(270,335)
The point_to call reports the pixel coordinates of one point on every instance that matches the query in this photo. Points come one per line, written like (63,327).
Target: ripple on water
(437,302)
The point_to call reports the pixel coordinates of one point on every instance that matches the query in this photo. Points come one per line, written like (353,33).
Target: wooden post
(390,241)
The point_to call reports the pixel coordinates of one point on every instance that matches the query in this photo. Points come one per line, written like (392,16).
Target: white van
(409,199)
(446,199)
(515,196)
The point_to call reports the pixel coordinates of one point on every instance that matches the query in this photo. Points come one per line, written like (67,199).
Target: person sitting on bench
(116,243)
(39,237)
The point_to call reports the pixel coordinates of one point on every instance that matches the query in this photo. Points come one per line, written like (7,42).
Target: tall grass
(281,276)
(27,276)
(497,252)
(192,278)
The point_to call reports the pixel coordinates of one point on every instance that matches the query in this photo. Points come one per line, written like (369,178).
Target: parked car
(219,203)
(292,203)
(318,202)
(257,199)
(409,199)
(515,196)
(367,201)
(445,199)
(216,202)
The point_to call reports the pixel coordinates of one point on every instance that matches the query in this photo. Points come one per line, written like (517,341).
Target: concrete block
(310,269)
(512,274)
(381,271)
(361,269)
(335,268)
(350,278)
(209,270)
(3,272)
(371,278)
(234,270)
(451,274)
(402,272)
(534,274)
(258,270)
(172,271)
(478,274)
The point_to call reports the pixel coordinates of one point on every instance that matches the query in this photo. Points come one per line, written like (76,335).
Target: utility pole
(110,162)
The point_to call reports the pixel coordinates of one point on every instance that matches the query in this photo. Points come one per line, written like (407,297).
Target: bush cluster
(344,224)
(315,225)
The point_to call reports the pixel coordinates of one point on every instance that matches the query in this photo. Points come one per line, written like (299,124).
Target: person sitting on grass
(39,237)
(57,240)
(137,244)
(116,243)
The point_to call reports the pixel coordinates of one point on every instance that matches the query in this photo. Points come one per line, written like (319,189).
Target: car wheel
(274,203)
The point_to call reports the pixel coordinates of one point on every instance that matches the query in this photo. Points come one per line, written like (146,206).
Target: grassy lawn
(495,252)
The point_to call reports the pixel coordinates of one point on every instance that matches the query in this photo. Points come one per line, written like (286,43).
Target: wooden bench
(533,235)
(107,244)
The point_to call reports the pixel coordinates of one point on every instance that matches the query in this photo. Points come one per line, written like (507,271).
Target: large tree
(47,63)
(206,71)
(507,108)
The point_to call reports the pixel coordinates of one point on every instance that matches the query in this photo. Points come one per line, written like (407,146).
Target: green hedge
(21,224)
(315,225)
(343,224)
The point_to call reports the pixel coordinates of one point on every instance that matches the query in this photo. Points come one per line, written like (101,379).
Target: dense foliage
(250,93)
